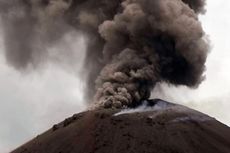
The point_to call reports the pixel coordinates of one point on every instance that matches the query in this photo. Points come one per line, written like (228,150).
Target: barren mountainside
(156,127)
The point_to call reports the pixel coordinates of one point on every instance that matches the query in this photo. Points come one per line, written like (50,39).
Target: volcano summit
(155,127)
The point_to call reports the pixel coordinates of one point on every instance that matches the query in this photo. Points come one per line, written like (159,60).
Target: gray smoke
(131,44)
(30,26)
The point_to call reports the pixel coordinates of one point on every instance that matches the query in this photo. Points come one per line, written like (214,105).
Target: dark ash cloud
(132,44)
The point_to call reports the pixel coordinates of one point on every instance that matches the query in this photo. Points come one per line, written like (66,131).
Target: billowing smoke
(131,44)
(30,26)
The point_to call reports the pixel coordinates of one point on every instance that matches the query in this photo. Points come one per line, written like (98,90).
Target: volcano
(154,127)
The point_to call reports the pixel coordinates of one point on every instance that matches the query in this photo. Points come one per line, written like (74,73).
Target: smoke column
(131,44)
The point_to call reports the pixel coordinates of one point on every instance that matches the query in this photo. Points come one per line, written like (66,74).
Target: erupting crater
(156,126)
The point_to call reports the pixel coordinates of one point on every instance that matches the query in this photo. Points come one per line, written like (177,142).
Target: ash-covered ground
(154,127)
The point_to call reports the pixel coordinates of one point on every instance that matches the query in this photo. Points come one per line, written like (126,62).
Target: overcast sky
(31,103)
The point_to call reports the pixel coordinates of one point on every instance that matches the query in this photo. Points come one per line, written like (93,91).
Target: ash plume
(131,44)
(29,27)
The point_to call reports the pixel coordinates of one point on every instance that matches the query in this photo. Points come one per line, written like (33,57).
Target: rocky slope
(155,127)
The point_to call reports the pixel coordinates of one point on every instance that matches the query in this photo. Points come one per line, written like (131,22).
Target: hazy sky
(31,103)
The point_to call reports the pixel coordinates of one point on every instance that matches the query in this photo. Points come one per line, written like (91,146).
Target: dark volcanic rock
(160,127)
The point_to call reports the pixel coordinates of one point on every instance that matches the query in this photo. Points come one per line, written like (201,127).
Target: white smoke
(162,107)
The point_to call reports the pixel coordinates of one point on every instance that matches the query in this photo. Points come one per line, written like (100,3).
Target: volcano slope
(155,127)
